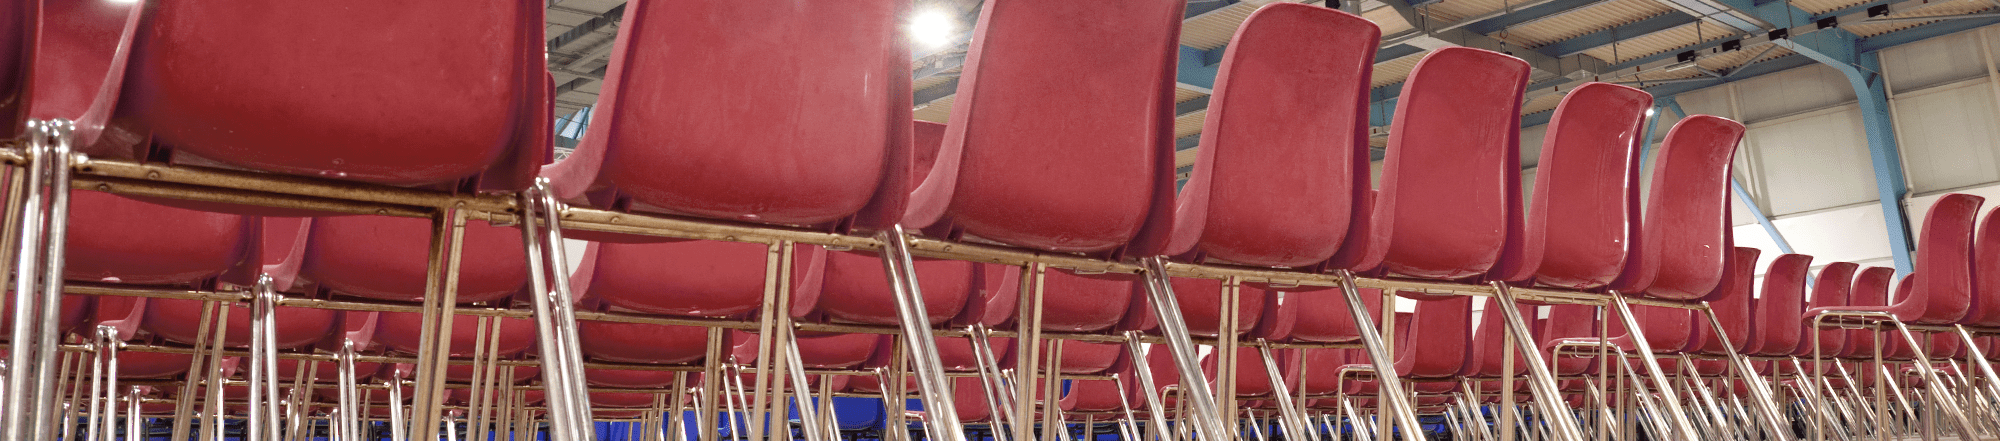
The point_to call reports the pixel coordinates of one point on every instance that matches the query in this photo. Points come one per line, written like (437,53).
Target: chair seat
(855,288)
(152,365)
(388,258)
(259,101)
(177,320)
(1323,314)
(657,143)
(641,343)
(689,278)
(817,350)
(399,331)
(321,372)
(630,379)
(121,240)
(1071,302)
(75,313)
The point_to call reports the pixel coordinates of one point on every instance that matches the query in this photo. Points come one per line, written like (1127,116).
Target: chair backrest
(117,239)
(387,258)
(1569,321)
(1871,288)
(1059,96)
(1319,365)
(1732,308)
(79,62)
(1489,343)
(1200,302)
(1781,304)
(1687,220)
(1577,229)
(17,52)
(1832,288)
(681,129)
(641,342)
(1450,191)
(1985,307)
(1439,343)
(1322,315)
(1251,378)
(1281,166)
(455,77)
(1944,260)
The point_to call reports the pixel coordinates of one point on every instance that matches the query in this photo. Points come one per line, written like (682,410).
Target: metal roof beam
(1578,44)
(608,18)
(1467,38)
(1741,16)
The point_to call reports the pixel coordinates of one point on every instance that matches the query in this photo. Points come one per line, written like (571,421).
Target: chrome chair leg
(1355,423)
(1289,417)
(807,415)
(1172,325)
(936,388)
(263,418)
(1943,399)
(1540,380)
(1677,414)
(111,345)
(990,383)
(555,320)
(1393,398)
(1147,387)
(97,366)
(37,283)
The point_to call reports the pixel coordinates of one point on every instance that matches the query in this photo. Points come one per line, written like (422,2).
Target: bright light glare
(1649,112)
(932,29)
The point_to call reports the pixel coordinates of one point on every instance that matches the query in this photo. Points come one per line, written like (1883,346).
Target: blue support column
(1838,49)
(1841,50)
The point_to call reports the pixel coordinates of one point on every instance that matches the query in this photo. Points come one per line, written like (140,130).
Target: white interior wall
(1805,158)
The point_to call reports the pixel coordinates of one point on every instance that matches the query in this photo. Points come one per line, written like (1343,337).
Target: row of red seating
(1054,147)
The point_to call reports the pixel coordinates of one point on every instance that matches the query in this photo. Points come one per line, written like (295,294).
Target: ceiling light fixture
(932,29)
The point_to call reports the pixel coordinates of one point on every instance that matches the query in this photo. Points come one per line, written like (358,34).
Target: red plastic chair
(1871,288)
(1984,310)
(1778,331)
(1008,174)
(1252,381)
(1224,212)
(1568,321)
(388,258)
(1072,302)
(1316,315)
(1200,302)
(1101,396)
(1579,231)
(479,76)
(1736,307)
(399,331)
(1454,133)
(1687,224)
(641,343)
(1940,290)
(1489,345)
(1834,287)
(658,143)
(275,254)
